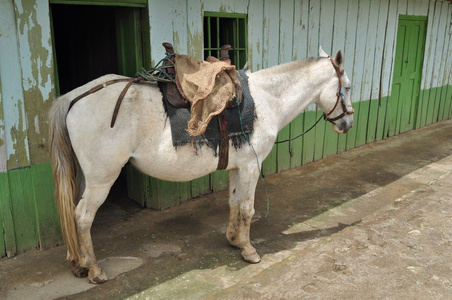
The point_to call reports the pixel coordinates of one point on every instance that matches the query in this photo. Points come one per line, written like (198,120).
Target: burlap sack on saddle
(209,86)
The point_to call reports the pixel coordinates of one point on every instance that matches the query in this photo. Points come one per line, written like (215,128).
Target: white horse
(88,155)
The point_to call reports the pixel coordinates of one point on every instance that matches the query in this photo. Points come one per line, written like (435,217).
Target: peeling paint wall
(28,218)
(15,128)
(35,50)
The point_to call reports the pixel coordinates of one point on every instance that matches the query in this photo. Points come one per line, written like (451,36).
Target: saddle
(202,112)
(174,93)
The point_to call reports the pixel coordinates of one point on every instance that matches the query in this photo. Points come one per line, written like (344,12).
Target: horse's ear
(339,59)
(322,53)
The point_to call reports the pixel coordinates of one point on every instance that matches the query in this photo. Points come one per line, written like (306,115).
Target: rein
(340,96)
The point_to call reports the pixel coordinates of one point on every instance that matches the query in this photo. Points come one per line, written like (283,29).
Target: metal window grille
(224,28)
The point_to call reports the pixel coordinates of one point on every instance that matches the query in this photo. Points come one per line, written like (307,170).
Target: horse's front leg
(92,199)
(242,186)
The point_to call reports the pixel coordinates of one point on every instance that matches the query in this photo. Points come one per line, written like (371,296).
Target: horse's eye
(348,88)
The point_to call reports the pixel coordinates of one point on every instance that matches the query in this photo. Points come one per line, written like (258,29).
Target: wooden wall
(286,30)
(279,31)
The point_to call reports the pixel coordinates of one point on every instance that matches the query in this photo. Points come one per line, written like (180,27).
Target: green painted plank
(319,137)
(137,185)
(283,151)
(201,186)
(437,105)
(431,106)
(47,216)
(361,128)
(442,104)
(219,180)
(7,239)
(184,192)
(269,165)
(309,138)
(448,107)
(296,146)
(164,193)
(381,119)
(330,142)
(23,209)
(372,121)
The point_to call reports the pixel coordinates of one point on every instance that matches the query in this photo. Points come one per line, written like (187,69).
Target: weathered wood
(8,239)
(23,209)
(46,214)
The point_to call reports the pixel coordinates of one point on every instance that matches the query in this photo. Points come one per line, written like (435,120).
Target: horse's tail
(64,171)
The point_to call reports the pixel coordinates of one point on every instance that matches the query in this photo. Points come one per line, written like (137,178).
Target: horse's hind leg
(92,199)
(242,186)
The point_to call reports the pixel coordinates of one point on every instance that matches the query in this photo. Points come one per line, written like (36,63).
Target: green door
(407,71)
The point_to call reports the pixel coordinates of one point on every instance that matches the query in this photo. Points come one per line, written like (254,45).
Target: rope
(288,140)
(159,72)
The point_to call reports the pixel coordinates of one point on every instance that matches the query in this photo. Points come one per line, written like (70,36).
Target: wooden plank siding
(278,32)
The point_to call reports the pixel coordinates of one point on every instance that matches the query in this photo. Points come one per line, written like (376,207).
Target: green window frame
(226,28)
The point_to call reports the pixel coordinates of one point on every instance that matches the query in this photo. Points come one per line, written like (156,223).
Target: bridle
(340,97)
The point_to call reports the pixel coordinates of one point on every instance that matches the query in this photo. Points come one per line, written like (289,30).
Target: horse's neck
(288,89)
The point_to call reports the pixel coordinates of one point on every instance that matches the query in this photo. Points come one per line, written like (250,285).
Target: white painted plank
(326,26)
(313,35)
(271,33)
(340,26)
(12,91)
(195,33)
(314,25)
(379,48)
(418,7)
(230,6)
(448,49)
(389,49)
(430,43)
(179,25)
(301,24)
(437,54)
(255,36)
(403,7)
(286,34)
(360,50)
(161,28)
(350,40)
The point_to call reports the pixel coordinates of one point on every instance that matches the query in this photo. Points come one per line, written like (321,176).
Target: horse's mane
(290,66)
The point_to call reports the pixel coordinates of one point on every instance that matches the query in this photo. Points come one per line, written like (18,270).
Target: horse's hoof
(78,271)
(97,275)
(252,258)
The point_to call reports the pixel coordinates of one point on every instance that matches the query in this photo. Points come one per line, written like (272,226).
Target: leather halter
(340,97)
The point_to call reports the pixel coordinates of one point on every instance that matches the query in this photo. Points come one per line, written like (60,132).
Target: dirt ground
(370,223)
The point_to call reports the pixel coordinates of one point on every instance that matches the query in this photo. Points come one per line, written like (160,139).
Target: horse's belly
(181,164)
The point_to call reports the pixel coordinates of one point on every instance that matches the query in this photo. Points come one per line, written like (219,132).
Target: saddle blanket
(240,120)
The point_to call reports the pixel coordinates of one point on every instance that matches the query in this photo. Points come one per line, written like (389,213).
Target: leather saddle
(173,92)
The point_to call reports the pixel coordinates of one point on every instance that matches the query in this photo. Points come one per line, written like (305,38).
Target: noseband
(340,97)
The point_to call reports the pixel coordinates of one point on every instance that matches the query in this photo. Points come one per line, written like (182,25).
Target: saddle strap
(121,96)
(223,159)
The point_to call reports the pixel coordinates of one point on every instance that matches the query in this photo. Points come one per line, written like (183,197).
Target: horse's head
(335,97)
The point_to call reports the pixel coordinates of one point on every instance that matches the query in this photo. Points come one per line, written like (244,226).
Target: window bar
(217,46)
(209,36)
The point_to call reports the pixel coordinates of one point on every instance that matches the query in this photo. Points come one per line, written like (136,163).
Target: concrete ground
(370,223)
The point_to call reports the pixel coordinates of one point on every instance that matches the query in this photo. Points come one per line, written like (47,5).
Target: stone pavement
(370,223)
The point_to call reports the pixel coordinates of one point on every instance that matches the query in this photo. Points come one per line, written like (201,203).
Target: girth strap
(223,157)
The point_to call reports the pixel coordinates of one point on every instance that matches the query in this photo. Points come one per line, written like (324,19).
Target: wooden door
(407,71)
